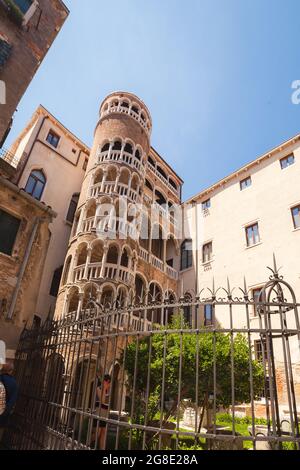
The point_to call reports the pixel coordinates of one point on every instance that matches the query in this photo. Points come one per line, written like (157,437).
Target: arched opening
(98,176)
(90,293)
(105,147)
(140,289)
(172,183)
(160,199)
(149,185)
(124,176)
(107,297)
(187,309)
(151,161)
(125,258)
(161,171)
(81,255)
(111,174)
(169,312)
(113,255)
(135,182)
(97,252)
(128,148)
(125,104)
(138,154)
(91,210)
(135,109)
(73,301)
(121,297)
(117,145)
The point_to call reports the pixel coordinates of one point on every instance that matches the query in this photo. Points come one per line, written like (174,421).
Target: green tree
(166,351)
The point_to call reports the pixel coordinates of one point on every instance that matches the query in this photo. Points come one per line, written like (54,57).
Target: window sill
(12,258)
(296,229)
(253,246)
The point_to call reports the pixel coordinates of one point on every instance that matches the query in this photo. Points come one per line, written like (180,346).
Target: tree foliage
(165,351)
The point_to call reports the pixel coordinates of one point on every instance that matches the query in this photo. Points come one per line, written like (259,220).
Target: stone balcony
(94,272)
(109,187)
(158,264)
(117,156)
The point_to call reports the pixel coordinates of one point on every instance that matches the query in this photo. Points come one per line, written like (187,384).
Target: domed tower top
(127,103)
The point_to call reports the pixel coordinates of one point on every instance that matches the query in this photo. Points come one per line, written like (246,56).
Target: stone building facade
(50,164)
(27,31)
(25,237)
(118,253)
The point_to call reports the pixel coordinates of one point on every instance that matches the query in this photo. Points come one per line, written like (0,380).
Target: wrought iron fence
(176,380)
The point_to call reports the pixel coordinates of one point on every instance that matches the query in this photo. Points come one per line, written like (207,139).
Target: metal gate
(217,371)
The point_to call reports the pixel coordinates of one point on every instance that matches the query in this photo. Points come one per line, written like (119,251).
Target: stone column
(87,263)
(79,308)
(117,181)
(103,180)
(104,259)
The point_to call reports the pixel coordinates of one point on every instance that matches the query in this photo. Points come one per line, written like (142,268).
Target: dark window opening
(206,205)
(9,227)
(246,183)
(53,139)
(151,161)
(56,281)
(252,235)
(207,252)
(85,164)
(72,208)
(161,171)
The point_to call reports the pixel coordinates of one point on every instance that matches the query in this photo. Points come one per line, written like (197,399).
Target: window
(287,161)
(260,349)
(245,183)
(37,321)
(296,216)
(56,281)
(9,227)
(206,205)
(36,184)
(207,252)
(23,5)
(72,208)
(256,294)
(252,235)
(85,164)
(53,139)
(186,254)
(208,315)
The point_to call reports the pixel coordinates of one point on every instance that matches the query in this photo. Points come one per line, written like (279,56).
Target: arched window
(36,184)
(117,145)
(186,254)
(128,148)
(137,154)
(105,148)
(72,208)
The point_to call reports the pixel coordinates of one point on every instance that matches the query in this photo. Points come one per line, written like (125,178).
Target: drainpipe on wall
(23,268)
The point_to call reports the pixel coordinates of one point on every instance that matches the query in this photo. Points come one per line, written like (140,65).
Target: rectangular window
(9,227)
(256,294)
(287,161)
(245,183)
(252,235)
(23,5)
(208,315)
(186,254)
(85,164)
(207,252)
(296,216)
(53,139)
(206,205)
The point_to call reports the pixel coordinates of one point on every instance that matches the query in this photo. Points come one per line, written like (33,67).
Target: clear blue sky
(215,74)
